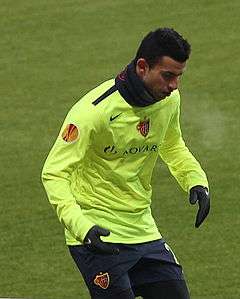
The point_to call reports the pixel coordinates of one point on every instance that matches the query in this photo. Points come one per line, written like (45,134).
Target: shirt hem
(123,241)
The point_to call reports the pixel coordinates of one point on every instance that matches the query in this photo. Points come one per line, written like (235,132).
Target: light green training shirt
(99,169)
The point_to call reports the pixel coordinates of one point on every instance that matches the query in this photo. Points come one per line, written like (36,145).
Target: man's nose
(173,84)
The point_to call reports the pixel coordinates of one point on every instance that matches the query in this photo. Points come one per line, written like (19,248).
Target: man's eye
(167,76)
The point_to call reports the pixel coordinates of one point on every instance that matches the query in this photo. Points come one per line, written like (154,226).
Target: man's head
(161,60)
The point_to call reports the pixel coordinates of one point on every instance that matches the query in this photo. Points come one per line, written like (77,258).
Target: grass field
(52,52)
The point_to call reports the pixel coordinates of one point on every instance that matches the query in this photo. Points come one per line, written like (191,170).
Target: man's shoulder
(91,96)
(86,106)
(171,102)
(175,96)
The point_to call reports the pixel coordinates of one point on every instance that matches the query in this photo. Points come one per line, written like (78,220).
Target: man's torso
(112,185)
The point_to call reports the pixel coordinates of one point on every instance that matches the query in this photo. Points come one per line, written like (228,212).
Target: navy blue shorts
(136,265)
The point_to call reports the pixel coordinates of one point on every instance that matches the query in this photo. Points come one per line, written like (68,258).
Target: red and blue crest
(143,127)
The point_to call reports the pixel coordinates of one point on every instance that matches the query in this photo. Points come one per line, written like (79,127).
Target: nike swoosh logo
(113,117)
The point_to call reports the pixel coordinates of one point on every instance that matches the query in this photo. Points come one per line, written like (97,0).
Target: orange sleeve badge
(70,133)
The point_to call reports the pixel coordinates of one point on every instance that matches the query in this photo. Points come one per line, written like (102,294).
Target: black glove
(200,194)
(93,242)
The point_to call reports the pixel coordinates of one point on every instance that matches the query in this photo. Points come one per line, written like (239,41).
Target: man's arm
(185,168)
(68,152)
(181,163)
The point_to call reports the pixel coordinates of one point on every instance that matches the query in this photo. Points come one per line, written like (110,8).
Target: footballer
(98,174)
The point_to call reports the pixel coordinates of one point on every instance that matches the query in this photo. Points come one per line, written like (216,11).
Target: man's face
(162,78)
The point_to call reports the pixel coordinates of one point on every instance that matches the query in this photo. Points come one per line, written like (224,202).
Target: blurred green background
(54,51)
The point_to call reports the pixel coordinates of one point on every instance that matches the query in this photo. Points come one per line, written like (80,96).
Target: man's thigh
(158,274)
(105,275)
(157,263)
(172,289)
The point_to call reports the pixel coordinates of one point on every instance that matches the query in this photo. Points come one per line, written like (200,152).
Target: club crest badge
(102,280)
(143,126)
(70,133)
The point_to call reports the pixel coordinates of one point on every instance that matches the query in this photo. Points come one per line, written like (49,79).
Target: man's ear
(141,67)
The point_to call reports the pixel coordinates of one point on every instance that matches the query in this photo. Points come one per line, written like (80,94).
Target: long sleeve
(66,155)
(181,163)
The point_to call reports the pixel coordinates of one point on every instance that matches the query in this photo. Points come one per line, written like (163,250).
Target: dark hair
(163,42)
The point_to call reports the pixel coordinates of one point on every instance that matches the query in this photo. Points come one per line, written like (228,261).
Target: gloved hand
(200,194)
(93,242)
